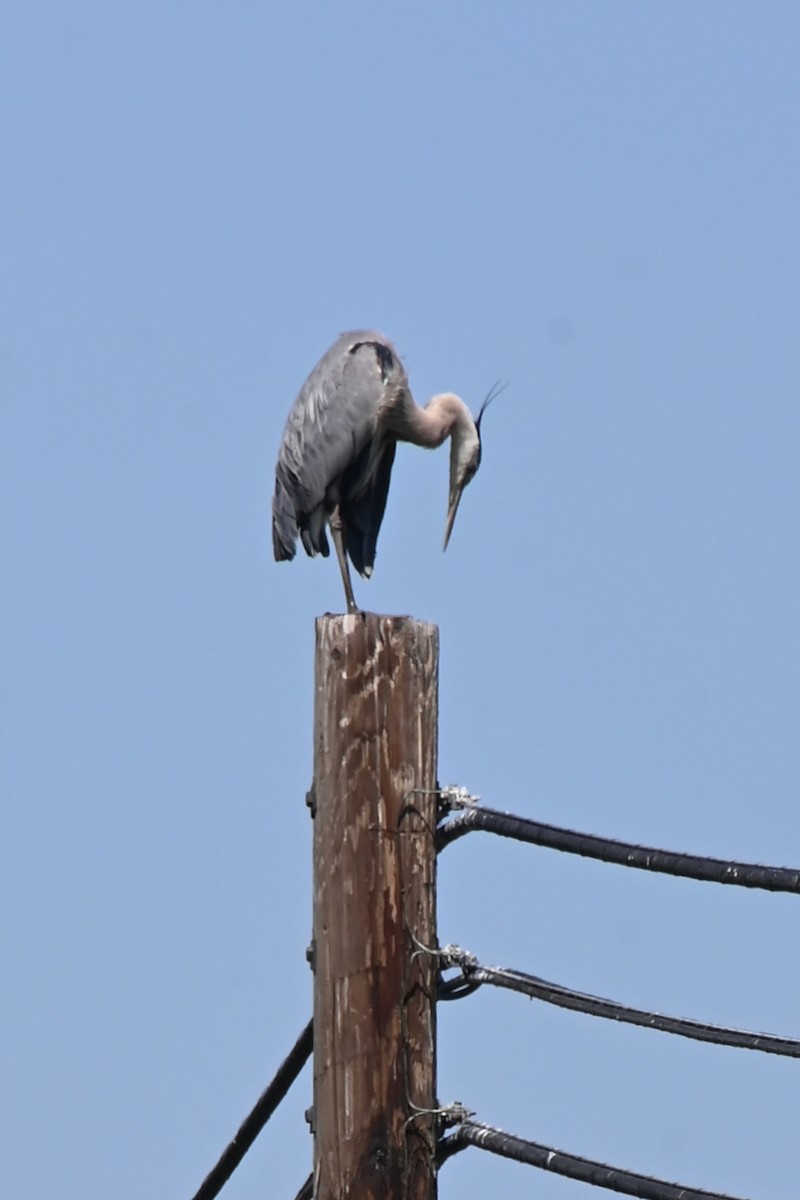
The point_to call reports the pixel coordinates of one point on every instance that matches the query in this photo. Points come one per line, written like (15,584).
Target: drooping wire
(473,974)
(629,1183)
(690,866)
(252,1125)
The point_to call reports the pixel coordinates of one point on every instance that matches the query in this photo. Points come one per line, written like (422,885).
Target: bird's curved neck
(442,416)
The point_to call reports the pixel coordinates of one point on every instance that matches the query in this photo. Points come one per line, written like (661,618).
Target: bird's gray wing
(362,512)
(333,419)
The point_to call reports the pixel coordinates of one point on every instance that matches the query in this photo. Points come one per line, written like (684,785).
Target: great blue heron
(338,447)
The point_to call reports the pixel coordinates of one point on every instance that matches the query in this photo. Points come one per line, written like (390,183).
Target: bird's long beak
(452,509)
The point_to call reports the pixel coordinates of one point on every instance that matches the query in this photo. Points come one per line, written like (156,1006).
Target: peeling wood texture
(375,738)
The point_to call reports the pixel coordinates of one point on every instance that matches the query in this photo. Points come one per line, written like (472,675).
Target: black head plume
(494,392)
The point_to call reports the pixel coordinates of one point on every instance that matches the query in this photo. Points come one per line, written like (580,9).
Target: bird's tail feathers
(284,525)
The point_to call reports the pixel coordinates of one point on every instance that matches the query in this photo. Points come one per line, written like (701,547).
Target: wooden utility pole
(375,738)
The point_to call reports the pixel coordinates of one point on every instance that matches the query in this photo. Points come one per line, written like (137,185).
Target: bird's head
(465,457)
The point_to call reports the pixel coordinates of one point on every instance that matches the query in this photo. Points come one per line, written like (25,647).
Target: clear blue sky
(597,202)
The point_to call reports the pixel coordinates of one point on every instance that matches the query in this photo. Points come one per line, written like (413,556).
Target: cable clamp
(447,1115)
(454,797)
(455,956)
(454,1114)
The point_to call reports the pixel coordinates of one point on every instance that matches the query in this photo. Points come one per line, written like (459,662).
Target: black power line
(473,974)
(252,1125)
(485,1137)
(307,1190)
(690,866)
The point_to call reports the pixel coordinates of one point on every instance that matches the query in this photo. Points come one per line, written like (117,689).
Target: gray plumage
(340,464)
(336,455)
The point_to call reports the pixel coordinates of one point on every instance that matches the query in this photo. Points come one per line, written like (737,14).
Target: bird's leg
(344,566)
